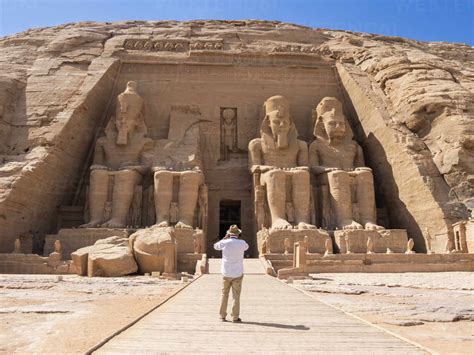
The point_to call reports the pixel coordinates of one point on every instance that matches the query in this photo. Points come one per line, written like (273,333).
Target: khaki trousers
(236,284)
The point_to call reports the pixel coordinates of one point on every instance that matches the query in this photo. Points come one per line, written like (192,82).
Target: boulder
(107,257)
(155,249)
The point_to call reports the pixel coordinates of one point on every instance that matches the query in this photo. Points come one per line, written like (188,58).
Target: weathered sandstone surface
(410,104)
(110,257)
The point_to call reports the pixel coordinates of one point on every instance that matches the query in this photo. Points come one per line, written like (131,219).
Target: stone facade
(139,124)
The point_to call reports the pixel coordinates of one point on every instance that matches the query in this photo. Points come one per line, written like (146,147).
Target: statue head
(228,115)
(330,121)
(277,121)
(128,112)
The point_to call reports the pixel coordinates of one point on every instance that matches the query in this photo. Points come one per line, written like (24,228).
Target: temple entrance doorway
(229,214)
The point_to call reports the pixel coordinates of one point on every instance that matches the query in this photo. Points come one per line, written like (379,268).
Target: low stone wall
(274,240)
(370,263)
(356,240)
(76,238)
(33,264)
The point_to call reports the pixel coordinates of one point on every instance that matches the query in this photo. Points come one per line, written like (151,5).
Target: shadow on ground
(277,325)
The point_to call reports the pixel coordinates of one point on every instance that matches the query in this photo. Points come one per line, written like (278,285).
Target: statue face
(334,123)
(125,126)
(279,121)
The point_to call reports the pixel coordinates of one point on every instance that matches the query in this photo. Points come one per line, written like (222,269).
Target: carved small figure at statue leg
(370,245)
(410,245)
(17,246)
(287,245)
(328,247)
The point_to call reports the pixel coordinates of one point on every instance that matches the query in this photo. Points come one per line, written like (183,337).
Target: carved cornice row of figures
(173,45)
(183,45)
(295,49)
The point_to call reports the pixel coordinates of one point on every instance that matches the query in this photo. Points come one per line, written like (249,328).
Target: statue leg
(189,182)
(98,191)
(124,188)
(275,182)
(341,199)
(301,198)
(366,199)
(163,197)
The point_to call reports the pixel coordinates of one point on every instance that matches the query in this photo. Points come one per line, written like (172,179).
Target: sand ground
(40,315)
(435,310)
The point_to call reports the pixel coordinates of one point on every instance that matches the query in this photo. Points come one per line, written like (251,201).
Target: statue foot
(183,225)
(162,224)
(113,223)
(281,224)
(351,225)
(373,226)
(92,224)
(303,225)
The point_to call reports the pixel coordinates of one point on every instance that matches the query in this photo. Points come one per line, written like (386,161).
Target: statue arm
(256,157)
(99,158)
(314,163)
(359,163)
(141,165)
(302,159)
(148,145)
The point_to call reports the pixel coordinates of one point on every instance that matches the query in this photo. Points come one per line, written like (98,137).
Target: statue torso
(281,158)
(340,156)
(130,104)
(116,155)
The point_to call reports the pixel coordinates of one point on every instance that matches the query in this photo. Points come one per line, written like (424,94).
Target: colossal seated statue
(274,158)
(337,160)
(118,156)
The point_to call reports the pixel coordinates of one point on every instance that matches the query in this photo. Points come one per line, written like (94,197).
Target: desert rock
(107,257)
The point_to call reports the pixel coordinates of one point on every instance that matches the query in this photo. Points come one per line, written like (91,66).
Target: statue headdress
(325,105)
(273,103)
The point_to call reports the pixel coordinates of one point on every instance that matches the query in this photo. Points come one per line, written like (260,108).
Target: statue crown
(276,103)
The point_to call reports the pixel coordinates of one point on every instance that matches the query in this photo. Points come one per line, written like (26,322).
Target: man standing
(232,269)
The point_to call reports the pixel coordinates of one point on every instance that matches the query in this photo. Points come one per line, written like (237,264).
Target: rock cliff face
(411,105)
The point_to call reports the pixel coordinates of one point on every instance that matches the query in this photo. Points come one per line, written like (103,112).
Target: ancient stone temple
(151,138)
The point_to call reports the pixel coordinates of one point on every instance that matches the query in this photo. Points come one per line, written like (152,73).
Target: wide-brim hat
(233,229)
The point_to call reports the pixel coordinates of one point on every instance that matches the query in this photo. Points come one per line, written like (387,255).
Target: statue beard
(282,140)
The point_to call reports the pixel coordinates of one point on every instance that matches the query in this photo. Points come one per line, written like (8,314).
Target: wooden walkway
(276,319)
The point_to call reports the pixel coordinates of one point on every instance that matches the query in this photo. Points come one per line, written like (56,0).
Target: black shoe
(223,319)
(238,320)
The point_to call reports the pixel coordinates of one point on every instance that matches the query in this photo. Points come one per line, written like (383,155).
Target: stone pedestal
(73,239)
(394,239)
(275,240)
(185,239)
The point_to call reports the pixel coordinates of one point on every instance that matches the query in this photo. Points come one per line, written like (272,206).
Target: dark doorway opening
(229,214)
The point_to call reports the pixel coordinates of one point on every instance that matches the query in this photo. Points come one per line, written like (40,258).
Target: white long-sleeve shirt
(232,256)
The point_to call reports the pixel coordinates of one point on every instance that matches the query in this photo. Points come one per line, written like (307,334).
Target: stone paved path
(277,319)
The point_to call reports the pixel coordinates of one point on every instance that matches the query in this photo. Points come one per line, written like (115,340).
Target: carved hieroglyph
(118,156)
(228,131)
(338,162)
(278,156)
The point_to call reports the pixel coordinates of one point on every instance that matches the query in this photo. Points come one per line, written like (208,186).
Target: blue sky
(428,20)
